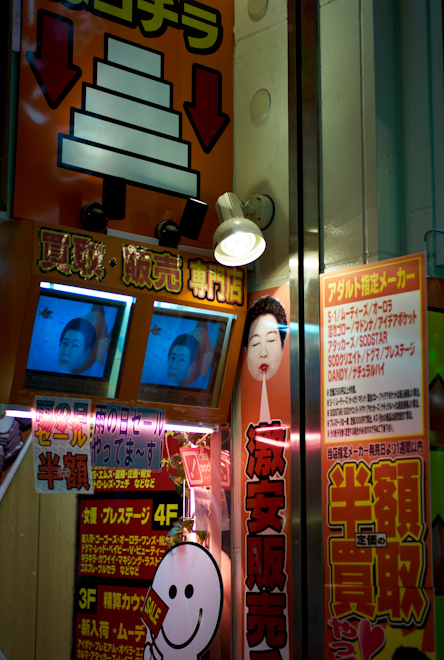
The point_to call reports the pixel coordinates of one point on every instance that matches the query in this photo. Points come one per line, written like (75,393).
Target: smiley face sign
(183,607)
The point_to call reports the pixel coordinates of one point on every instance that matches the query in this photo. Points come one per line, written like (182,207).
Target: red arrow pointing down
(204,112)
(52,62)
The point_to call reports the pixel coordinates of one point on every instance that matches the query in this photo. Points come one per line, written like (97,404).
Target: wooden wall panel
(37,550)
(55,577)
(19,519)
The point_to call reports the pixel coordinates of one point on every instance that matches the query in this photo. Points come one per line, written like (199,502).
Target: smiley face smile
(182,646)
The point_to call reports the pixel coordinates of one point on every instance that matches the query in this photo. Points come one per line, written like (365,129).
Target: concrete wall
(261,124)
(347,120)
(381,113)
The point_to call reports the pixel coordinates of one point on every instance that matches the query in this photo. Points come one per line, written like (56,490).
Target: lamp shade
(237,241)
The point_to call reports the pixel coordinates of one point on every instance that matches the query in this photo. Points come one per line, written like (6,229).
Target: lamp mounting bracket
(260,209)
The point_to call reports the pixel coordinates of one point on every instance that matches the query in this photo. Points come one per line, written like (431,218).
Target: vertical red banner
(375,461)
(265,383)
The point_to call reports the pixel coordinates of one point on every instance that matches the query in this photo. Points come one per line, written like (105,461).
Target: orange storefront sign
(135,91)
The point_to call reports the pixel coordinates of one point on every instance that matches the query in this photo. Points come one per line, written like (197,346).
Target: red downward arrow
(52,62)
(205,110)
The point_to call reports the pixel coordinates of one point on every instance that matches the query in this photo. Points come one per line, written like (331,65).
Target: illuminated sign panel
(375,458)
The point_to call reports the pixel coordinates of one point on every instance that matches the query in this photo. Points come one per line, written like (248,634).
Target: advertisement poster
(127,104)
(197,466)
(61,445)
(379,597)
(265,394)
(128,437)
(121,540)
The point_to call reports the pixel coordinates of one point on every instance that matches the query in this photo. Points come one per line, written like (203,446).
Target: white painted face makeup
(264,349)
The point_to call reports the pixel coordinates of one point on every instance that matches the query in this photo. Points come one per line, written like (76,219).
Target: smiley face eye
(173,591)
(189,591)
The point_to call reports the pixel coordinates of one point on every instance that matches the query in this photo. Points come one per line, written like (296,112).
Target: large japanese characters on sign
(377,567)
(137,92)
(266,479)
(61,445)
(149,269)
(139,299)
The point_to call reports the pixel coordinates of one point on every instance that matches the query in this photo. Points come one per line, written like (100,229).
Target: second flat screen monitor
(186,355)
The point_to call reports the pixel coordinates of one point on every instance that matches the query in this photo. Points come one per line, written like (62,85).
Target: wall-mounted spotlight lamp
(169,233)
(238,240)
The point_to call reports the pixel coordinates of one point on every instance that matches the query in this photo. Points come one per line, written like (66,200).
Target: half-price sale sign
(375,460)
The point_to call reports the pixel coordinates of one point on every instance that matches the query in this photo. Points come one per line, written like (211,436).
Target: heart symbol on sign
(371,640)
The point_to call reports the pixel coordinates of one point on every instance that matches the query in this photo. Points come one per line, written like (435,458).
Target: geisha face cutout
(188,595)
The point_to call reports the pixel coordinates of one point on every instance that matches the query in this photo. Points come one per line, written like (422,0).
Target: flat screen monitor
(186,355)
(77,340)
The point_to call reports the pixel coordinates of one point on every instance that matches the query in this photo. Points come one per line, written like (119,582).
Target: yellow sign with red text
(377,554)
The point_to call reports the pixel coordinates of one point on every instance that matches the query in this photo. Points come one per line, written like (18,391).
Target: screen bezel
(188,395)
(86,385)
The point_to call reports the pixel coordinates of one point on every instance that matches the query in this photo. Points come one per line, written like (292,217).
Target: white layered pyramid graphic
(126,127)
